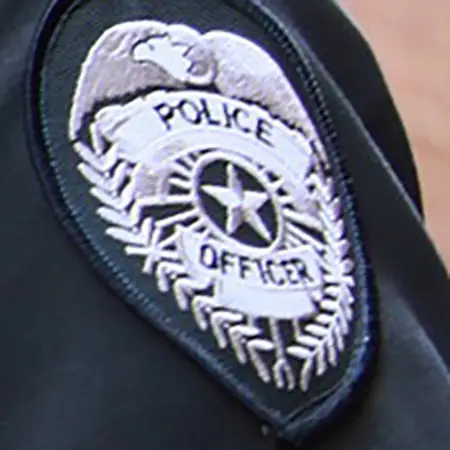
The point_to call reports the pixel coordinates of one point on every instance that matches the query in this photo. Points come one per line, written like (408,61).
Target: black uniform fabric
(81,371)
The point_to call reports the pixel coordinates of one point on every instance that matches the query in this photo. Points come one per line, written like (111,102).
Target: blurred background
(411,39)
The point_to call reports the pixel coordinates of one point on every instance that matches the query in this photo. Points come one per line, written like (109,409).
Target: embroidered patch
(185,160)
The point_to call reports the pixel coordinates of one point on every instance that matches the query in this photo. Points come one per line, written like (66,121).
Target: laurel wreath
(316,345)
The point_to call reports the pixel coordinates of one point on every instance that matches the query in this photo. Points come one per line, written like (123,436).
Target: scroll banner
(163,126)
(280,285)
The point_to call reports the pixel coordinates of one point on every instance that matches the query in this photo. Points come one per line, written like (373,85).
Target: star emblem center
(242,205)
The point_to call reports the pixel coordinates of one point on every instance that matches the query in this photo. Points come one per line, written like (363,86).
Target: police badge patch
(185,149)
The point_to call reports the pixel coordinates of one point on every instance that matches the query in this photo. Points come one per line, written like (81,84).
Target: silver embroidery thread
(151,154)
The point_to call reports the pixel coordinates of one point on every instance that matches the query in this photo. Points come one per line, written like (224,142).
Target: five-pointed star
(242,206)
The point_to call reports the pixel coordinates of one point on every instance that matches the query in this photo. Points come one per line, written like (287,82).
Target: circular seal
(189,167)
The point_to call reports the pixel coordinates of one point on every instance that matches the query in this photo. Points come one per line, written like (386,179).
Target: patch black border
(302,423)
